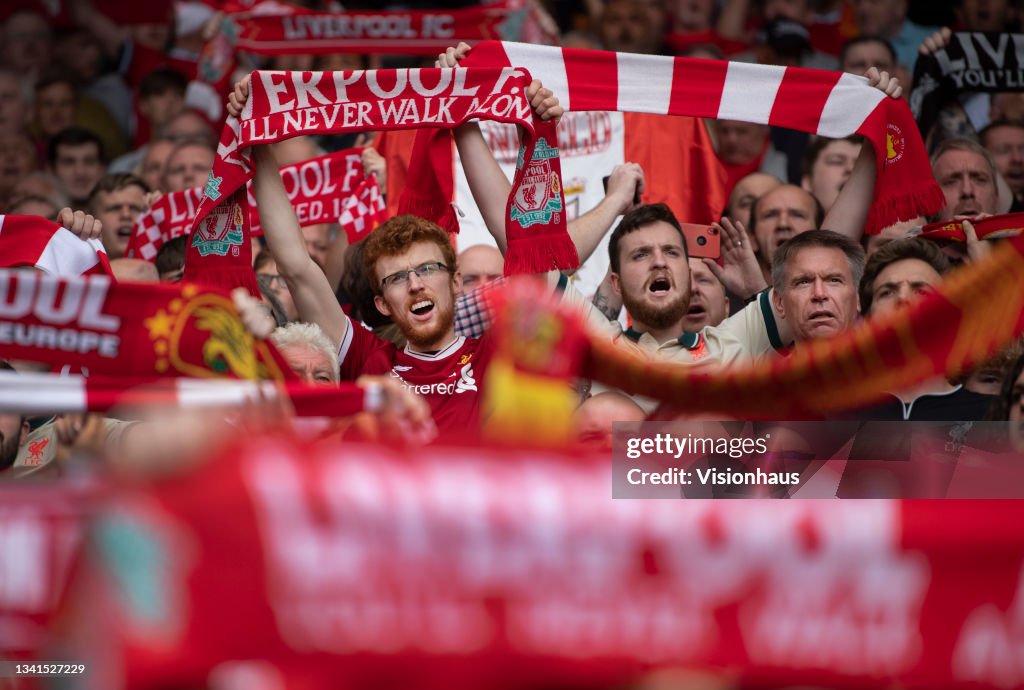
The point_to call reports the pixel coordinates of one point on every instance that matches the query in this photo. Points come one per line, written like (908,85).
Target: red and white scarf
(418,32)
(140,330)
(287,104)
(830,104)
(362,210)
(43,244)
(990,228)
(34,394)
(327,189)
(275,28)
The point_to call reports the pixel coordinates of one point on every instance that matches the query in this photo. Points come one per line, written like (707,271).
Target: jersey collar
(688,340)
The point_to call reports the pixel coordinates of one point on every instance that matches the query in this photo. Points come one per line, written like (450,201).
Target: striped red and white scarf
(327,189)
(45,245)
(830,104)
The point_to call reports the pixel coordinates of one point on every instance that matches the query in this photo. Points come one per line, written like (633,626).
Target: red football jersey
(449,379)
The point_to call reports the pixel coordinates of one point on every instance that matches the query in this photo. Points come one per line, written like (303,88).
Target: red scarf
(37,242)
(353,561)
(321,189)
(299,31)
(286,104)
(275,28)
(992,227)
(831,104)
(129,329)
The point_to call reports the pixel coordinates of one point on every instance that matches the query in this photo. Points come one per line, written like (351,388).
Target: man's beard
(8,451)
(427,335)
(657,316)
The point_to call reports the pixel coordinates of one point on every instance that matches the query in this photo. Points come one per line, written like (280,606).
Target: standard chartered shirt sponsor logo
(466,383)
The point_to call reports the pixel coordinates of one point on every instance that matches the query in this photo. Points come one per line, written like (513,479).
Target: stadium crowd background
(98,114)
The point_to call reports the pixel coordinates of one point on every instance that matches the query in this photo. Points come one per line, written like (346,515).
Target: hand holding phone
(628,170)
(702,241)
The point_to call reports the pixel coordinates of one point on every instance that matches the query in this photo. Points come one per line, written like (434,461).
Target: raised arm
(110,35)
(487,182)
(849,213)
(307,283)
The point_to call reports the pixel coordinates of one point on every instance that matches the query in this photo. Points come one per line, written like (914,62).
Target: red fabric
(593,82)
(803,91)
(680,165)
(396,147)
(283,105)
(700,94)
(131,329)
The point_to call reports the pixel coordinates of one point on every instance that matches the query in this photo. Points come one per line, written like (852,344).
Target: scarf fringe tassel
(920,200)
(540,254)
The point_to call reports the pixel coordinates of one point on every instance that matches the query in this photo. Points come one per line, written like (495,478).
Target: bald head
(480,265)
(746,192)
(134,269)
(595,416)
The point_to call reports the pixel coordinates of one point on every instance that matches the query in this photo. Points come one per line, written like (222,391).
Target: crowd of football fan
(96,116)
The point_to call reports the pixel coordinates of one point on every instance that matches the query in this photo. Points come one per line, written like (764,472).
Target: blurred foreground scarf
(45,245)
(129,329)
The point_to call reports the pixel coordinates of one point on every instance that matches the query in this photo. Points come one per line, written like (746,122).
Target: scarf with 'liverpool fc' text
(287,104)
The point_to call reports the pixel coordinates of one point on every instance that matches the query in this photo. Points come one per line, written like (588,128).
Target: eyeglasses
(270,281)
(401,278)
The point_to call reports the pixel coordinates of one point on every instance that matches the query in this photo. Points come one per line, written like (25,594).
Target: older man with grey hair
(309,353)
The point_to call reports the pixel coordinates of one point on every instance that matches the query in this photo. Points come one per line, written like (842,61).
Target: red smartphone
(702,241)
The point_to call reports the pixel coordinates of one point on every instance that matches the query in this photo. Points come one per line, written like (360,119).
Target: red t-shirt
(449,380)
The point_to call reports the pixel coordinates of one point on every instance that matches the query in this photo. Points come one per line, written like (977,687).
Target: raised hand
(884,82)
(741,273)
(80,223)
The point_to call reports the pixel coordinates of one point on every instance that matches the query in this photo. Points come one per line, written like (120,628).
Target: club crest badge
(212,188)
(538,198)
(220,232)
(895,144)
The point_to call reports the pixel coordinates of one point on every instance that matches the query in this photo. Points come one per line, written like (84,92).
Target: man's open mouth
(660,286)
(422,308)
